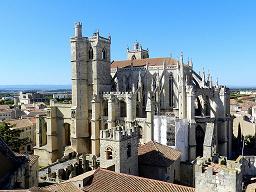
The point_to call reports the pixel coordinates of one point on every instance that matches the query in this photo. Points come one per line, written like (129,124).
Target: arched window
(104,54)
(129,150)
(67,134)
(90,53)
(109,153)
(133,57)
(199,140)
(43,134)
(122,108)
(105,108)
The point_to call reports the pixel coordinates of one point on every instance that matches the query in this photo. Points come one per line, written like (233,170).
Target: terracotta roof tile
(62,187)
(105,180)
(33,159)
(153,153)
(20,123)
(4,107)
(143,62)
(81,176)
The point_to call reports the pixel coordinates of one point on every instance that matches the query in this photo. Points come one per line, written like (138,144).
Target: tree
(11,137)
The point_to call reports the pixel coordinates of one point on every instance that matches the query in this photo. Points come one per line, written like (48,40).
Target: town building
(61,95)
(27,130)
(30,98)
(7,113)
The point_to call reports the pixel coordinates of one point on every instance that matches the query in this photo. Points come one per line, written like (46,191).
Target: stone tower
(119,150)
(80,140)
(137,52)
(90,59)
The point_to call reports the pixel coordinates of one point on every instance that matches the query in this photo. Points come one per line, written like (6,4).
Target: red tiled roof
(4,107)
(62,187)
(20,123)
(153,153)
(143,62)
(31,158)
(105,180)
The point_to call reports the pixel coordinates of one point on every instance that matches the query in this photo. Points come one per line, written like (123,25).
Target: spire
(181,64)
(133,88)
(190,63)
(78,29)
(208,76)
(164,65)
(210,83)
(152,84)
(181,58)
(140,80)
(117,85)
(149,102)
(203,78)
(158,77)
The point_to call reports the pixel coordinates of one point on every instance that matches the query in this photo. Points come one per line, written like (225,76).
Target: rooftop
(105,180)
(20,123)
(62,187)
(4,107)
(144,62)
(153,153)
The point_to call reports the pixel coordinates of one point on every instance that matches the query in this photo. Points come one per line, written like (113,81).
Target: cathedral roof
(156,154)
(144,62)
(105,180)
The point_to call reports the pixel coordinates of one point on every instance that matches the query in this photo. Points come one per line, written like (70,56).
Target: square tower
(137,52)
(119,150)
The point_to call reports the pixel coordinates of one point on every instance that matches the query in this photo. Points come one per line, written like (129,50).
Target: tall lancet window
(109,153)
(90,53)
(104,54)
(171,90)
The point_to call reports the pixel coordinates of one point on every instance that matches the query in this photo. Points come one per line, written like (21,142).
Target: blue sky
(219,35)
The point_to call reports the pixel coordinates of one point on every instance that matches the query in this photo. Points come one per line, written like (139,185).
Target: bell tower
(137,52)
(99,63)
(80,138)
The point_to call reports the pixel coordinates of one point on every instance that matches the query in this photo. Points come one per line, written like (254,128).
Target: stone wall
(117,142)
(218,176)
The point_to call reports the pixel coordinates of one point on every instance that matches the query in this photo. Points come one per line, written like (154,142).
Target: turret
(119,147)
(78,29)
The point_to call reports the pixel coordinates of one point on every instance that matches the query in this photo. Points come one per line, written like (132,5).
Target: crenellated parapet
(217,174)
(119,133)
(117,95)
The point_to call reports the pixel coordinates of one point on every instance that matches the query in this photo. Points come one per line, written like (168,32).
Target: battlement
(96,36)
(117,94)
(119,133)
(214,165)
(218,174)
